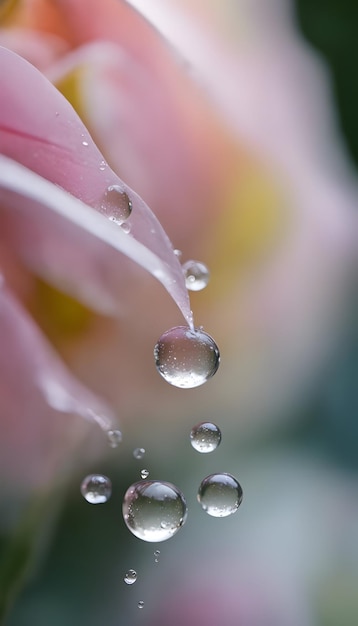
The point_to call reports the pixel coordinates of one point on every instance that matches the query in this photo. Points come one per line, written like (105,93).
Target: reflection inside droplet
(186,358)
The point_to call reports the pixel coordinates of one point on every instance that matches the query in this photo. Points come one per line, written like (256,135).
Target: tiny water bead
(114,438)
(205,437)
(196,275)
(144,473)
(130,577)
(138,453)
(154,510)
(220,495)
(116,204)
(96,488)
(156,556)
(140,604)
(186,358)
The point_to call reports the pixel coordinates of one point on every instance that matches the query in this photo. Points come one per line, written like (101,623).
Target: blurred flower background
(235,121)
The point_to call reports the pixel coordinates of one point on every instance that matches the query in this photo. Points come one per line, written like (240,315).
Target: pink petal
(43,132)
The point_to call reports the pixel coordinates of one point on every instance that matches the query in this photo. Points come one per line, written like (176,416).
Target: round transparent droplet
(154,510)
(114,438)
(186,358)
(144,473)
(220,495)
(156,556)
(130,577)
(126,228)
(178,253)
(196,275)
(116,204)
(96,488)
(140,604)
(205,437)
(138,453)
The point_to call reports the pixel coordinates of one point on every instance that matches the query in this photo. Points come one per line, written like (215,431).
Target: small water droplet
(156,556)
(178,253)
(102,166)
(130,577)
(126,228)
(144,473)
(140,604)
(57,114)
(96,488)
(116,204)
(154,510)
(196,275)
(114,438)
(138,453)
(220,495)
(186,358)
(85,143)
(205,437)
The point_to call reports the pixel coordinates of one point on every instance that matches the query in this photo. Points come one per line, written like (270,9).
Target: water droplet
(156,556)
(96,488)
(154,510)
(205,437)
(140,604)
(139,453)
(220,495)
(126,228)
(85,143)
(116,204)
(185,357)
(114,438)
(144,473)
(130,577)
(102,166)
(196,275)
(178,253)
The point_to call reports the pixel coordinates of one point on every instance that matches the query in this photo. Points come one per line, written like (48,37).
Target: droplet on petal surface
(96,488)
(205,437)
(116,204)
(130,577)
(114,438)
(220,495)
(138,453)
(196,275)
(186,358)
(154,510)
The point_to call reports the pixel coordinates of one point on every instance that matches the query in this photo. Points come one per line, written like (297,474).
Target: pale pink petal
(42,132)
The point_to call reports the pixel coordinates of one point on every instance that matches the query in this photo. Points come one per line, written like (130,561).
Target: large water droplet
(205,437)
(116,204)
(196,275)
(138,453)
(130,577)
(154,510)
(114,438)
(186,358)
(96,488)
(220,495)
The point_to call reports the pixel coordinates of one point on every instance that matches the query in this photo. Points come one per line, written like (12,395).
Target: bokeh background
(246,147)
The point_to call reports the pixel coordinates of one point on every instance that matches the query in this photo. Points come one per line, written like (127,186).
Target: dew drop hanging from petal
(186,358)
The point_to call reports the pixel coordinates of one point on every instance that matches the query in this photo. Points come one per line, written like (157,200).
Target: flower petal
(43,133)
